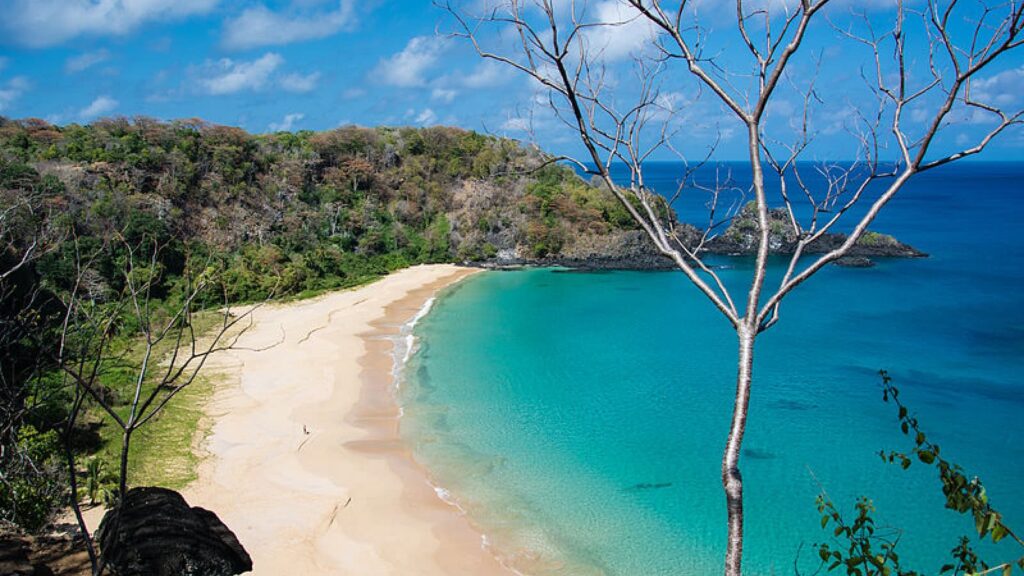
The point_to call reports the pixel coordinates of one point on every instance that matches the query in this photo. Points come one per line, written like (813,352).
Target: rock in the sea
(154,532)
(633,250)
(855,262)
(742,236)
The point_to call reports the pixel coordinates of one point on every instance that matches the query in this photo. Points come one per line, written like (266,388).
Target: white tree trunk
(732,480)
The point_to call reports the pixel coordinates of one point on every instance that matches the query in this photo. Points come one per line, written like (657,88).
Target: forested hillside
(304,210)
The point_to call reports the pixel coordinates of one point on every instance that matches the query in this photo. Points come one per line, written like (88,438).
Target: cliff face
(632,249)
(622,249)
(504,225)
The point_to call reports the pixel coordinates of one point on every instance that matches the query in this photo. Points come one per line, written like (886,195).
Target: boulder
(154,532)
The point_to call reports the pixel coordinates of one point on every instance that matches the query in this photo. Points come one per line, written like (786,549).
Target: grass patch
(162,451)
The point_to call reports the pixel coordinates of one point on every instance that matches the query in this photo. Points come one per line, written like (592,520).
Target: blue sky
(317,64)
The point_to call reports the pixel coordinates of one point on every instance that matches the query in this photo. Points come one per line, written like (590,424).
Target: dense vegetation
(304,211)
(269,215)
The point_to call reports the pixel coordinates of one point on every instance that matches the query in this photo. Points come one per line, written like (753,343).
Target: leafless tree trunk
(557,45)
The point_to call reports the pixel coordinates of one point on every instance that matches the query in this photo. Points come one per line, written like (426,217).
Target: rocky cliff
(632,249)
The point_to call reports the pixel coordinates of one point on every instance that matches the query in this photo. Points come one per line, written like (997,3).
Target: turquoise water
(579,417)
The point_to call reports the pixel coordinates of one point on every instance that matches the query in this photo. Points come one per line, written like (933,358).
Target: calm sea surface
(579,418)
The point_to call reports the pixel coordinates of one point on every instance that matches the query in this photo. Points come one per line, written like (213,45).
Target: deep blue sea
(579,418)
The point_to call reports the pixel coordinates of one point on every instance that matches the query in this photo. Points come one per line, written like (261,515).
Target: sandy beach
(304,461)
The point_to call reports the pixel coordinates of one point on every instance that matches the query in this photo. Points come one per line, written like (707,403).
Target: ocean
(579,417)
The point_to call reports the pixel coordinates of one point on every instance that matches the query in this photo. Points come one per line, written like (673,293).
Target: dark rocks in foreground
(59,552)
(154,532)
(14,558)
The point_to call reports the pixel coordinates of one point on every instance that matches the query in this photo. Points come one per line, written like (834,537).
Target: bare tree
(172,355)
(918,79)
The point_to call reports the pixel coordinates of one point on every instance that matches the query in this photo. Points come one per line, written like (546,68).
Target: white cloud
(672,102)
(408,67)
(261,26)
(487,75)
(226,76)
(624,31)
(919,115)
(443,95)
(287,123)
(516,124)
(1003,89)
(299,82)
(161,44)
(427,116)
(99,107)
(12,90)
(85,60)
(353,93)
(40,23)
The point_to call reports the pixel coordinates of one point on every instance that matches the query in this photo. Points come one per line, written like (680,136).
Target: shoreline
(304,462)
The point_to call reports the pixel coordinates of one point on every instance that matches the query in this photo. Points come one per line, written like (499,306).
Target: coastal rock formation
(742,235)
(154,532)
(631,249)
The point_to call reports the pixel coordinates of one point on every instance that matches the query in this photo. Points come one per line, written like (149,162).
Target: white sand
(346,498)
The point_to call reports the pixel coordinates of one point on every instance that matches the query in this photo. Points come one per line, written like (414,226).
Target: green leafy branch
(867,553)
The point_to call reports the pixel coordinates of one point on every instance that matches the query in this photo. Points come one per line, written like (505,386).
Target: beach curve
(304,461)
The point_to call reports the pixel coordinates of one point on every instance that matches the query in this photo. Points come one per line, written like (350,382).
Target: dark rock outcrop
(154,532)
(855,262)
(742,235)
(632,250)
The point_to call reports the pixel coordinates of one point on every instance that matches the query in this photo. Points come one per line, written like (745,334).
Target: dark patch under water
(650,486)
